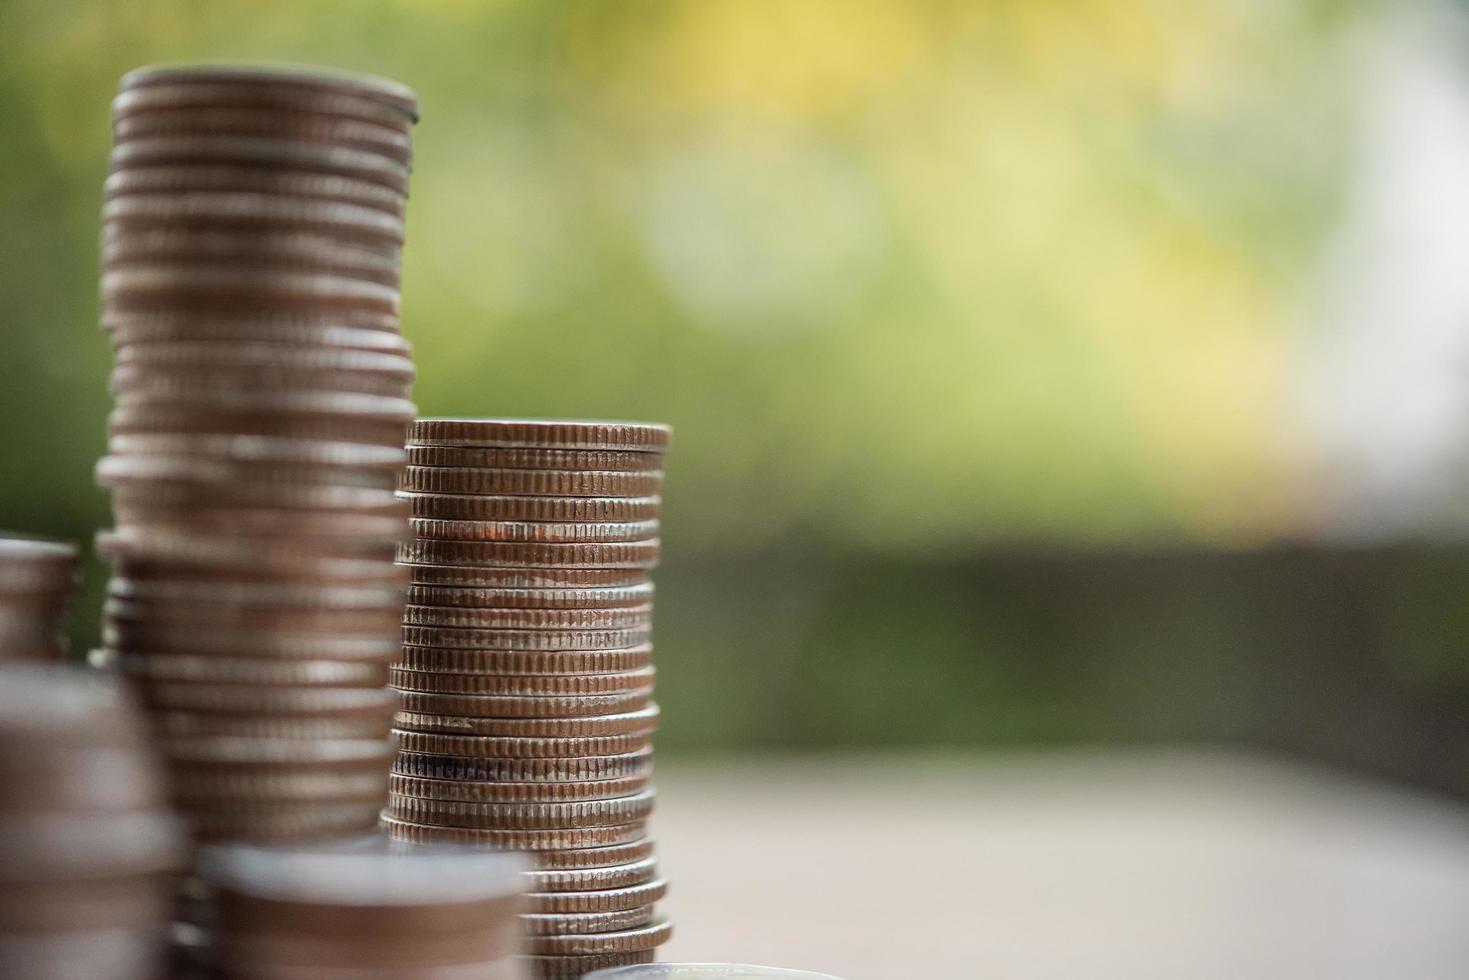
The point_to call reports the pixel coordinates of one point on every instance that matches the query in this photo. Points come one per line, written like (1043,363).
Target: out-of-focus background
(1044,374)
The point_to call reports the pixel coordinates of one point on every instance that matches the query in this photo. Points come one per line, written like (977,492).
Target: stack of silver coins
(361,913)
(252,230)
(526,670)
(87,841)
(36,583)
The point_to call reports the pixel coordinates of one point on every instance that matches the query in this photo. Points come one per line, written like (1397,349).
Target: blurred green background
(974,322)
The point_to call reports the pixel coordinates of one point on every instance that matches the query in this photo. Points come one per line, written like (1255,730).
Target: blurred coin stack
(526,669)
(252,230)
(366,913)
(36,583)
(87,841)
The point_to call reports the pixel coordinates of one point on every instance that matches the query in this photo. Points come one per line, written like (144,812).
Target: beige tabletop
(1129,865)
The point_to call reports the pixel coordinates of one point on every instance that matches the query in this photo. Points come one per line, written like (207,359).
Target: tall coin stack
(87,841)
(526,669)
(36,582)
(252,227)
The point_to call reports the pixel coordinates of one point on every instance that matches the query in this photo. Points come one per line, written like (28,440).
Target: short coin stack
(526,669)
(36,582)
(252,229)
(87,842)
(362,913)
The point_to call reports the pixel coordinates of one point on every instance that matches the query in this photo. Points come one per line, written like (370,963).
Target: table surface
(1145,864)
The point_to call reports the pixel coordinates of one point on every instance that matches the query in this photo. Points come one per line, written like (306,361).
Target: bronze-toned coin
(152,667)
(469,791)
(616,597)
(521,816)
(393,142)
(163,642)
(344,403)
(319,754)
(281,154)
(258,180)
(163,99)
(282,555)
(245,210)
(455,638)
(576,967)
(588,858)
(543,531)
(370,703)
(184,504)
(289,82)
(636,872)
(482,706)
(287,250)
(218,724)
(204,785)
(375,333)
(643,720)
(627,941)
(79,779)
(191,356)
(509,747)
(522,840)
(474,662)
(369,428)
(506,507)
(270,595)
(542,434)
(607,900)
(537,483)
(585,769)
(627,617)
(50,846)
(533,459)
(127,382)
(513,554)
(463,693)
(29,566)
(165,614)
(107,902)
(262,449)
(462,576)
(586,923)
(216,288)
(280,822)
(121,470)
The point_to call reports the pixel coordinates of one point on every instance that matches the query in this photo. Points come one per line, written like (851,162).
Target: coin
(199,786)
(615,597)
(510,747)
(281,822)
(517,554)
(377,332)
(481,662)
(470,791)
(286,81)
(369,136)
(642,720)
(281,183)
(244,209)
(215,724)
(635,872)
(585,769)
(525,840)
(333,674)
(271,699)
(195,640)
(287,250)
(576,967)
(582,533)
(482,706)
(521,816)
(535,483)
(137,619)
(281,555)
(257,594)
(192,356)
(509,507)
(630,940)
(586,923)
(533,459)
(627,617)
(120,470)
(588,858)
(29,566)
(455,694)
(461,576)
(261,449)
(222,287)
(607,900)
(324,753)
(542,433)
(456,638)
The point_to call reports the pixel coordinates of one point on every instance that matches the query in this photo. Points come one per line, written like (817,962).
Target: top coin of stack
(369,912)
(252,228)
(87,841)
(36,583)
(526,669)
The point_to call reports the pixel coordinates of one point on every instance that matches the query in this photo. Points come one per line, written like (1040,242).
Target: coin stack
(526,669)
(362,913)
(87,842)
(252,229)
(36,583)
